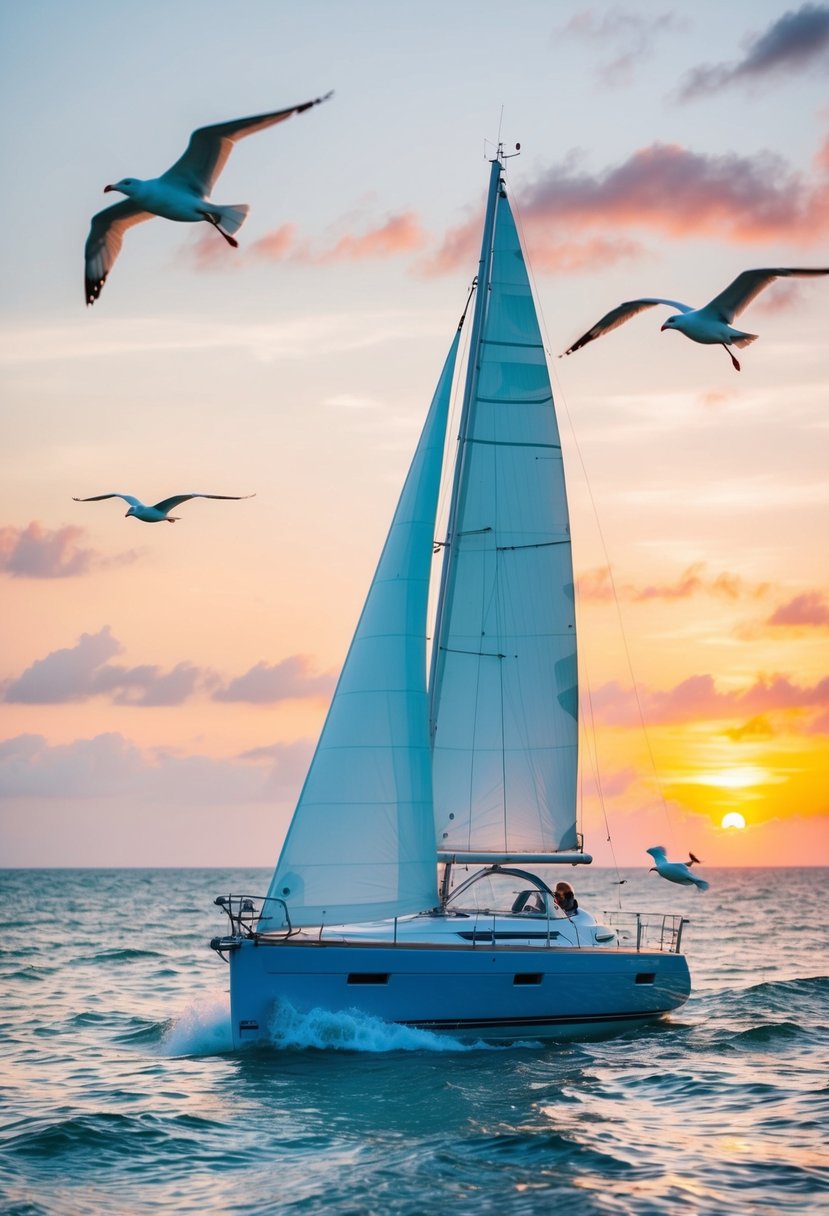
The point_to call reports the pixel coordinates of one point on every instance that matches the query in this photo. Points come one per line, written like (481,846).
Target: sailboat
(411,884)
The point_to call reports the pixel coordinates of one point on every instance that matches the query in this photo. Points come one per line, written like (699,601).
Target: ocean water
(119,1092)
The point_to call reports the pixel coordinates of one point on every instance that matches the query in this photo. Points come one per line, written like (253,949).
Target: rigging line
(563,397)
(452,421)
(598,776)
(503,726)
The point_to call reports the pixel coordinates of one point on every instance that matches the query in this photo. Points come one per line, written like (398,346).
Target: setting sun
(733,820)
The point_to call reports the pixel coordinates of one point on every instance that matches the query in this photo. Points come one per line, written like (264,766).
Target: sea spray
(203,1029)
(353,1030)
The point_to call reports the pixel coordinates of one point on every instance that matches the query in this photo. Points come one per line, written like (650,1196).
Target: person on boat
(565,898)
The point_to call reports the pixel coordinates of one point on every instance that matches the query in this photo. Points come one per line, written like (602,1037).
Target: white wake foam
(203,1029)
(351,1030)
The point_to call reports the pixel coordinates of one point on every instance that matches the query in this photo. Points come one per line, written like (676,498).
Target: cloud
(682,193)
(794,42)
(809,610)
(691,582)
(288,765)
(81,671)
(667,189)
(698,698)
(632,35)
(110,766)
(398,234)
(758,727)
(266,683)
(597,585)
(38,552)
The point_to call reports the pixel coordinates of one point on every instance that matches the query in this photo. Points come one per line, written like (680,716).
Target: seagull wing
(739,294)
(618,316)
(209,147)
(134,502)
(167,504)
(103,244)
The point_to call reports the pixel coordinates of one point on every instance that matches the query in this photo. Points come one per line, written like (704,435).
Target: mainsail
(504,687)
(361,845)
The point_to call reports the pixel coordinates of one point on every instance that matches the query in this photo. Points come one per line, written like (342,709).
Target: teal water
(119,1092)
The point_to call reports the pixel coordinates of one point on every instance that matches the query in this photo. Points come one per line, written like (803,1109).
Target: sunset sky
(161,688)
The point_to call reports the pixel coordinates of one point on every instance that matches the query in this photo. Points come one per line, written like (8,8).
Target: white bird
(710,325)
(158,513)
(179,194)
(675,871)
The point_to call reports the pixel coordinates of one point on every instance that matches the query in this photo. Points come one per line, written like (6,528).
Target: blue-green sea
(119,1092)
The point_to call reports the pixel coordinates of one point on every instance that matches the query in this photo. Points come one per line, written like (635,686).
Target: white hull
(506,991)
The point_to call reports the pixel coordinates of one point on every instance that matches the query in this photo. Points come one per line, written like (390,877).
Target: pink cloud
(697,698)
(76,673)
(266,683)
(399,234)
(597,585)
(758,727)
(275,246)
(38,552)
(665,188)
(807,610)
(681,193)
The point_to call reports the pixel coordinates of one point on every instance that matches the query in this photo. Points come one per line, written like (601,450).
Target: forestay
(361,845)
(504,684)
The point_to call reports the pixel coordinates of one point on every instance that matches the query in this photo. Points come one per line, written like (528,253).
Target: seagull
(179,194)
(159,511)
(675,871)
(710,325)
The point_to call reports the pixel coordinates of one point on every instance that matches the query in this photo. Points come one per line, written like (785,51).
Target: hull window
(646,977)
(368,977)
(527,977)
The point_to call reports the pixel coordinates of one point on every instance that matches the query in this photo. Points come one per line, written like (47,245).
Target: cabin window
(527,977)
(368,977)
(646,977)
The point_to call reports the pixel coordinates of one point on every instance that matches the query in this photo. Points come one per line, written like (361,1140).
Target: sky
(161,688)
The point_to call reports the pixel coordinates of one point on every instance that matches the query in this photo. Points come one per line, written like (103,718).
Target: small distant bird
(179,194)
(710,325)
(675,871)
(159,512)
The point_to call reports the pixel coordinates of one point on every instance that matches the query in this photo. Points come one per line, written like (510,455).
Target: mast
(472,368)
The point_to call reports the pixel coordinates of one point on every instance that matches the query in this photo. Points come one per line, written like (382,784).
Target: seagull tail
(231,218)
(702,885)
(740,339)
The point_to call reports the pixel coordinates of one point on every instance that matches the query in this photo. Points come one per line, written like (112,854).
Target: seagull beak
(106,188)
(661,328)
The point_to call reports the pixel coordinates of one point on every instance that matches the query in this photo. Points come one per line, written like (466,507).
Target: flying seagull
(675,871)
(159,512)
(710,325)
(179,194)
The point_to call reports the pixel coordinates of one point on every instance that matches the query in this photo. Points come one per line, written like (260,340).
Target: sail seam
(522,345)
(517,401)
(478,654)
(512,443)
